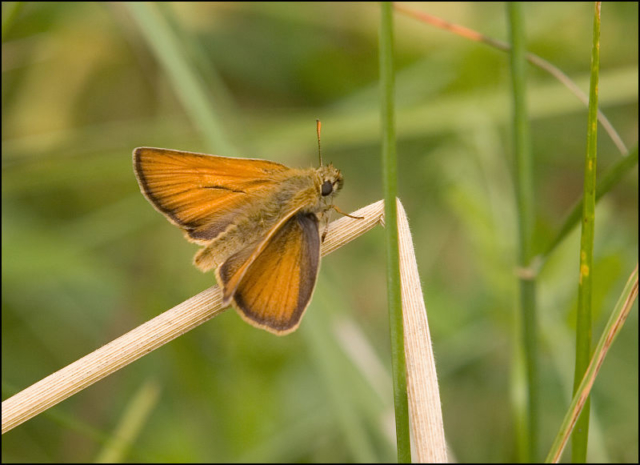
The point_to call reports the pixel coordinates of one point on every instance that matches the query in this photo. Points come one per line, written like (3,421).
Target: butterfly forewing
(292,256)
(203,194)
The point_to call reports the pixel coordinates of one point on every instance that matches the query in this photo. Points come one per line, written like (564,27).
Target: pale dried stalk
(425,412)
(612,329)
(152,335)
(424,401)
(109,358)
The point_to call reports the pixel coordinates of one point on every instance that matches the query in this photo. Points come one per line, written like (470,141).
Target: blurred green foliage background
(85,258)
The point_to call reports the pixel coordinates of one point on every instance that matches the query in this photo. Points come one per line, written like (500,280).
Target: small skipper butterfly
(259,223)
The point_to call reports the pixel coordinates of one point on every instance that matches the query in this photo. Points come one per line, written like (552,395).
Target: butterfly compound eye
(327,188)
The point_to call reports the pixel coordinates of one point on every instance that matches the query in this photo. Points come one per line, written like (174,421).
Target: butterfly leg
(336,208)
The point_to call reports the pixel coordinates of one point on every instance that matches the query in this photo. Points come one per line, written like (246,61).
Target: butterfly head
(331,181)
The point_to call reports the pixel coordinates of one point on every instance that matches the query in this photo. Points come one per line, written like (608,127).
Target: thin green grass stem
(526,215)
(612,329)
(389,169)
(579,438)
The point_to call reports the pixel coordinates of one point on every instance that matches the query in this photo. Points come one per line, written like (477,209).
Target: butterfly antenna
(318,128)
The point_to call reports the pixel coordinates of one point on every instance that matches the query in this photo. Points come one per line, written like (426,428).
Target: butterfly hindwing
(277,284)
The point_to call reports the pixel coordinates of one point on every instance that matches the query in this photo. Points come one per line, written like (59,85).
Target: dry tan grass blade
(425,412)
(151,335)
(110,358)
(424,403)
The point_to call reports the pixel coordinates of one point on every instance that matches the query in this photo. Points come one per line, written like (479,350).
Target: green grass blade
(526,217)
(188,86)
(614,325)
(585,288)
(135,417)
(389,165)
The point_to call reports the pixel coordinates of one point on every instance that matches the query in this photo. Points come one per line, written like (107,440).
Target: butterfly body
(259,222)
(298,189)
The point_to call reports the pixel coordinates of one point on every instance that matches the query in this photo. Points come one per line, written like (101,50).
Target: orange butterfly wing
(277,285)
(202,194)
